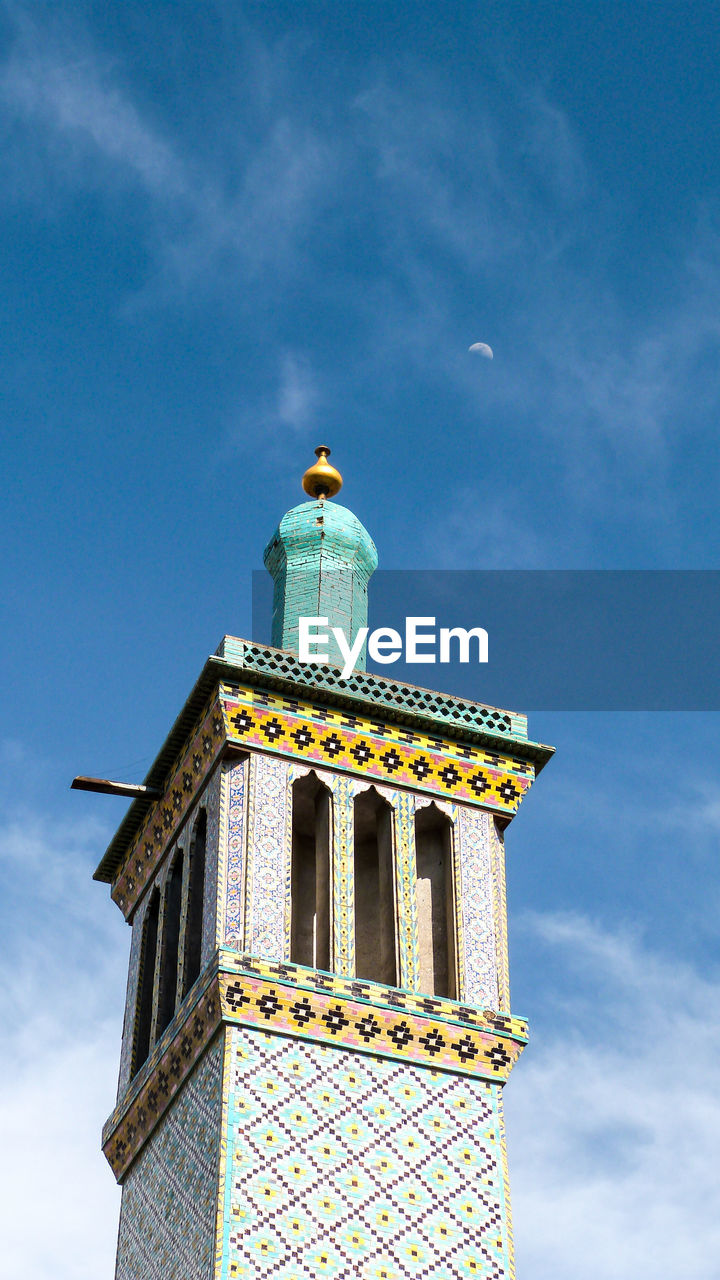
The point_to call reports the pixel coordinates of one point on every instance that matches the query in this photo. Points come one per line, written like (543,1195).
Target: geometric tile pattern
(165,815)
(271,723)
(159,1081)
(499,898)
(405,873)
(410,1037)
(169,1200)
(374,690)
(478,957)
(268,869)
(343,914)
(346,1166)
(232,934)
(303,1003)
(302,978)
(282,726)
(211,801)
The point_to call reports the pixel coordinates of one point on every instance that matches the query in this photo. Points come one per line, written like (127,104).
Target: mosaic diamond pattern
(270,723)
(167,1221)
(351,1167)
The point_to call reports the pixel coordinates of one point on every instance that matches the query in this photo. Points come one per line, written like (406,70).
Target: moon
(481,349)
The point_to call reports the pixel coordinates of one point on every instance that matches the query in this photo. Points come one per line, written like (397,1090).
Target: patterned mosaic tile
(301,978)
(405,805)
(212,801)
(233,910)
(345,1166)
(343,882)
(412,1037)
(497,851)
(169,1200)
(270,723)
(164,817)
(305,1004)
(155,1087)
(267,925)
(478,957)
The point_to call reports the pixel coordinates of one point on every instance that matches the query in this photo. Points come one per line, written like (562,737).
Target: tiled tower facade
(318,1027)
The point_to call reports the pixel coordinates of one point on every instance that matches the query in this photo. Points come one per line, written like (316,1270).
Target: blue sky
(227,234)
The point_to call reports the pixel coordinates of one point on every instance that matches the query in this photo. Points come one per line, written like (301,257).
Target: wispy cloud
(297,395)
(615,1120)
(77,126)
(71,97)
(61,997)
(288,407)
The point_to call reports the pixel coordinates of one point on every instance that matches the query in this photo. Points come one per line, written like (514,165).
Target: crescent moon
(482,349)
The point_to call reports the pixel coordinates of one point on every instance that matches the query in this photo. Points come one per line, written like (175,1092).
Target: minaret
(318,1028)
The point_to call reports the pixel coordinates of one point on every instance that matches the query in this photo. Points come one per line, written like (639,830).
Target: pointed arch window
(375,932)
(170,944)
(196,903)
(435,902)
(146,982)
(310,883)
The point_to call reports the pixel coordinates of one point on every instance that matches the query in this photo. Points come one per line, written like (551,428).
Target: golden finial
(322,480)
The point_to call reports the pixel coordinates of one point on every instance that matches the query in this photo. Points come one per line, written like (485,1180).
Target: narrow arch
(170,945)
(310,877)
(146,983)
(196,903)
(435,902)
(375,933)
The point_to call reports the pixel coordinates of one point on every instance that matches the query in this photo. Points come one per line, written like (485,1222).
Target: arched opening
(310,883)
(196,902)
(170,942)
(375,945)
(435,902)
(146,983)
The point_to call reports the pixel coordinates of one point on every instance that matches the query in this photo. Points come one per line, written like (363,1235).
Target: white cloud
(72,125)
(288,407)
(61,1000)
(297,392)
(614,1116)
(484,531)
(71,97)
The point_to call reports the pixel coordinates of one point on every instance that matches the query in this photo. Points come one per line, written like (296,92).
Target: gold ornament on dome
(322,480)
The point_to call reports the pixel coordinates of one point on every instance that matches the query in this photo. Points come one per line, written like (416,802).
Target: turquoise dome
(321,558)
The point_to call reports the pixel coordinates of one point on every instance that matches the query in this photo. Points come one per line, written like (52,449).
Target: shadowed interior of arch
(375,932)
(310,885)
(195,904)
(148,954)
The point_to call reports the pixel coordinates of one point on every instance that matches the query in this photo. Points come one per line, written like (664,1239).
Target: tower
(317,1026)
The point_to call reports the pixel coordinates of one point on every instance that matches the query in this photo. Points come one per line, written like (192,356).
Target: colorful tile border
(255,1002)
(275,726)
(377,994)
(285,726)
(232,909)
(137,1115)
(474,898)
(164,817)
(305,1004)
(499,897)
(269,862)
(404,804)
